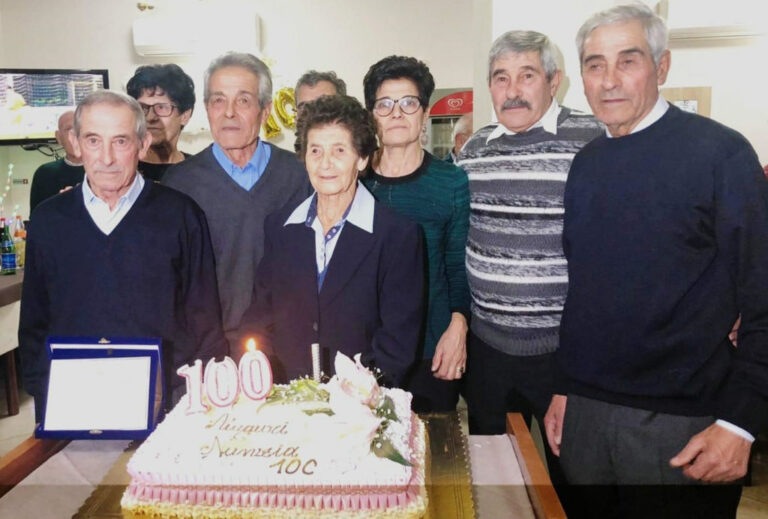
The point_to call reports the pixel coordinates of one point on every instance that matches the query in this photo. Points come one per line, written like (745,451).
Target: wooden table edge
(546,504)
(25,458)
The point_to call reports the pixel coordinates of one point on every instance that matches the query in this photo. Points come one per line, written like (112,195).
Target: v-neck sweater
(152,276)
(236,220)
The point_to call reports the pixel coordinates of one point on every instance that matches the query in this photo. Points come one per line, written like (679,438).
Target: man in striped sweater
(515,264)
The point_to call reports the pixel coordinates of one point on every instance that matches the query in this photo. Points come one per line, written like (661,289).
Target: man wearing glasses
(167,96)
(516,268)
(239,179)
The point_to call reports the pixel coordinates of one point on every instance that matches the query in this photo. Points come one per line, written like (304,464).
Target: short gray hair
(655,30)
(109,97)
(524,41)
(248,62)
(313,77)
(463,125)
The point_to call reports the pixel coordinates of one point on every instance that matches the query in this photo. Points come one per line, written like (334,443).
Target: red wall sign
(458,103)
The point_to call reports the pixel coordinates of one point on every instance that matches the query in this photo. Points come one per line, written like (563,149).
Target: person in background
(340,270)
(167,96)
(239,179)
(313,84)
(118,256)
(462,131)
(666,236)
(50,178)
(434,194)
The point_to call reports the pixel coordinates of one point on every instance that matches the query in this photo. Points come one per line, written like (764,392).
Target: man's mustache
(517,102)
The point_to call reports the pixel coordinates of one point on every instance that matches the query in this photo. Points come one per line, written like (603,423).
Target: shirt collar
(360,213)
(90,198)
(656,113)
(258,159)
(548,121)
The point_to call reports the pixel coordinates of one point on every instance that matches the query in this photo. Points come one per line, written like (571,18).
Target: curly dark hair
(398,67)
(176,84)
(343,110)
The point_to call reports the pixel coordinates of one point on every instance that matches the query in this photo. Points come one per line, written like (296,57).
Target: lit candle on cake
(255,372)
(316,361)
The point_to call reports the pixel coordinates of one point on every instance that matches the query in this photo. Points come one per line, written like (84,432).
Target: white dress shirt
(105,218)
(360,215)
(656,113)
(548,121)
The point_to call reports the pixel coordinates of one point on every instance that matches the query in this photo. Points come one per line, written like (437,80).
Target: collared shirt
(656,113)
(359,213)
(105,218)
(246,177)
(548,121)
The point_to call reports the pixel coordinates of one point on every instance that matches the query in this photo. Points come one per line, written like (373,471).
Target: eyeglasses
(385,105)
(160,109)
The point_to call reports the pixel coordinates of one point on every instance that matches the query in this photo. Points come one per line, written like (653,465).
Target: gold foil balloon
(284,104)
(271,128)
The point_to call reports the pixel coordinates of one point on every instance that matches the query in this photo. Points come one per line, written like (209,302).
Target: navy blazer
(371,302)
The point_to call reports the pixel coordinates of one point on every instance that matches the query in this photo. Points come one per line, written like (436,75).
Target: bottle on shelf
(7,250)
(19,240)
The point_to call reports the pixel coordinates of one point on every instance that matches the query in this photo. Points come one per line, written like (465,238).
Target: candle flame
(250,345)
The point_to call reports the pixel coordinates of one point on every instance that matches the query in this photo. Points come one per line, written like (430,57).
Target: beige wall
(451,36)
(345,35)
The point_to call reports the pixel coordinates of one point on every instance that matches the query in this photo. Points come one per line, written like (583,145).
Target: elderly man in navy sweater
(666,235)
(118,255)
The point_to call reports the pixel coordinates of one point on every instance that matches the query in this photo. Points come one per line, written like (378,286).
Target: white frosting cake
(334,457)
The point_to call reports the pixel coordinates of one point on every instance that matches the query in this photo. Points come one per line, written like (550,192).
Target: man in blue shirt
(239,179)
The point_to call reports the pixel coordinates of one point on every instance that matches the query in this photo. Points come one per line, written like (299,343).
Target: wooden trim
(542,494)
(22,460)
(11,383)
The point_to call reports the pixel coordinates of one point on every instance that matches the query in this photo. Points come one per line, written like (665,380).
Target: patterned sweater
(516,268)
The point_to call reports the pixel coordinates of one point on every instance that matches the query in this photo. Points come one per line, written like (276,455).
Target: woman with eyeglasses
(167,96)
(435,194)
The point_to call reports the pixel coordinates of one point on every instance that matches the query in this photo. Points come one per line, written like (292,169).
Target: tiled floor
(754,501)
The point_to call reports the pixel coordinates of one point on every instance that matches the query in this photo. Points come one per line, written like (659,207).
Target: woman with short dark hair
(434,194)
(340,269)
(167,96)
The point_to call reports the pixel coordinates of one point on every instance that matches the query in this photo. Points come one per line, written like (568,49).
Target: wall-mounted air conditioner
(197,32)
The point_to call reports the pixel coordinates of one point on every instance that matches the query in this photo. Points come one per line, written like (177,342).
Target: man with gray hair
(313,84)
(666,235)
(515,264)
(239,179)
(118,256)
(461,133)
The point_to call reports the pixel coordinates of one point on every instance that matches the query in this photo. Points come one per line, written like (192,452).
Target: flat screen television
(31,100)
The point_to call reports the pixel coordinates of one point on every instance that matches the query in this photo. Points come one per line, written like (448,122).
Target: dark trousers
(497,383)
(617,460)
(430,394)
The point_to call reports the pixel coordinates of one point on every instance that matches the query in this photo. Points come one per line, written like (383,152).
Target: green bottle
(7,250)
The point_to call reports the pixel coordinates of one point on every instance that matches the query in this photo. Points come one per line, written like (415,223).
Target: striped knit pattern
(516,268)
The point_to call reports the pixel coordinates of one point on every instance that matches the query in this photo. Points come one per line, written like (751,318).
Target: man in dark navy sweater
(666,235)
(118,255)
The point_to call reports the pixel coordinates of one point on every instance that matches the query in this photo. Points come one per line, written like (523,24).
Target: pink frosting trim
(147,487)
(247,499)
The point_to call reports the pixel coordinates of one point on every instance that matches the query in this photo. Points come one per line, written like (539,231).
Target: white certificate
(94,394)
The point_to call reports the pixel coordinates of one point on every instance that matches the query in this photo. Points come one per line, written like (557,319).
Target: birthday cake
(346,448)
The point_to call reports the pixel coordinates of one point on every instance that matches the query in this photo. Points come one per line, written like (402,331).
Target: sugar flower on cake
(356,381)
(351,398)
